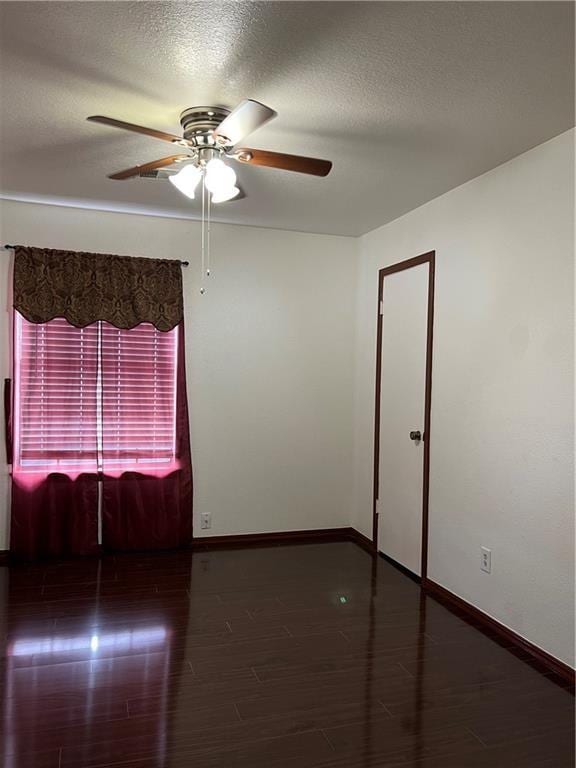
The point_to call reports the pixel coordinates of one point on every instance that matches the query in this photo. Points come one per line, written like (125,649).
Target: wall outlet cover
(485,559)
(205,520)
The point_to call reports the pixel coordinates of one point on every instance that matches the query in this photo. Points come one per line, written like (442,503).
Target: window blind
(93,398)
(138,395)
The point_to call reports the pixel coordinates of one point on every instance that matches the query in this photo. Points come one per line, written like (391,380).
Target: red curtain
(99,402)
(151,508)
(54,515)
(54,474)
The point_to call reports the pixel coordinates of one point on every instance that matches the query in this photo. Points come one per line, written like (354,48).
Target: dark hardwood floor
(300,656)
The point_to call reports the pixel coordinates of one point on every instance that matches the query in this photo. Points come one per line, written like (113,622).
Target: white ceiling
(408,99)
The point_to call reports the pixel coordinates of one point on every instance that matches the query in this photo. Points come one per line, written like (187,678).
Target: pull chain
(208,249)
(203,249)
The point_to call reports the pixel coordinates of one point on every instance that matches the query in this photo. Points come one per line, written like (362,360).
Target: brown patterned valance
(86,287)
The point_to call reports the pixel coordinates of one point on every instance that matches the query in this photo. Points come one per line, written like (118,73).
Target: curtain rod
(182,263)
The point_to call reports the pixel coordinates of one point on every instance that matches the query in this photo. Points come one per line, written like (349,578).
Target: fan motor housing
(198,123)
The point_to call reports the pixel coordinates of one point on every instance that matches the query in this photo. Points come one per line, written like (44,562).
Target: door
(403,419)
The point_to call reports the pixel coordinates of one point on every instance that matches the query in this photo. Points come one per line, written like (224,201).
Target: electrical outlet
(485,559)
(205,520)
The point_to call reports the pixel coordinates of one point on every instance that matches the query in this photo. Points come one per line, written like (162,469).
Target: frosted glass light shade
(186,180)
(219,177)
(227,194)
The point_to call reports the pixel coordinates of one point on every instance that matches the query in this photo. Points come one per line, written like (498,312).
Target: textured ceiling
(408,99)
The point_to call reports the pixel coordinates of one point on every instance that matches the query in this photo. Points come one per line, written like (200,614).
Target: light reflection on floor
(26,656)
(124,640)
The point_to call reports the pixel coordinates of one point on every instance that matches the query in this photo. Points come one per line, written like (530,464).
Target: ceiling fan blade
(296,163)
(137,170)
(245,119)
(173,139)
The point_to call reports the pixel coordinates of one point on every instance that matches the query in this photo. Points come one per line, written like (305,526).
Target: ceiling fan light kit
(209,136)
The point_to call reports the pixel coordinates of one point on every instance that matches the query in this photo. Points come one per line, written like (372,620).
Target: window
(93,398)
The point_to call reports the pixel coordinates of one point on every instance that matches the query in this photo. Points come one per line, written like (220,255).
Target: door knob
(416,435)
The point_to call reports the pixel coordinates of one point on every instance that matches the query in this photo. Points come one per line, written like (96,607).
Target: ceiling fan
(211,135)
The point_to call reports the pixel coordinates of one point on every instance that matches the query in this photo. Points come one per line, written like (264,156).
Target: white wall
(502,466)
(269,360)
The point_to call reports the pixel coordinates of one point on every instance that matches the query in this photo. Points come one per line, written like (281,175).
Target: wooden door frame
(425,258)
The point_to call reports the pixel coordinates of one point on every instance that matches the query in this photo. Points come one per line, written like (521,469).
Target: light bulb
(226,194)
(186,180)
(219,177)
